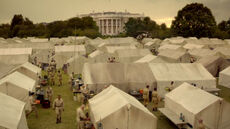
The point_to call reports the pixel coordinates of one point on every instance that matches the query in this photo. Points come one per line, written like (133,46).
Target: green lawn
(47,117)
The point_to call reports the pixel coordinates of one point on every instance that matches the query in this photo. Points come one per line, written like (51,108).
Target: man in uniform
(60,78)
(155,99)
(35,61)
(58,106)
(49,93)
(52,78)
(146,95)
(81,117)
(32,101)
(84,92)
(201,125)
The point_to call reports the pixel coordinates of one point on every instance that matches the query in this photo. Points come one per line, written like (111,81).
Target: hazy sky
(50,10)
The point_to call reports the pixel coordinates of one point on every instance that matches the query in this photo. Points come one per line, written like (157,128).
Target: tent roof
(70,48)
(112,49)
(192,98)
(100,73)
(15,51)
(149,43)
(179,71)
(103,73)
(11,111)
(169,46)
(209,60)
(201,52)
(173,54)
(19,80)
(78,58)
(95,53)
(223,50)
(176,40)
(226,71)
(147,58)
(31,67)
(132,52)
(192,46)
(5,69)
(111,100)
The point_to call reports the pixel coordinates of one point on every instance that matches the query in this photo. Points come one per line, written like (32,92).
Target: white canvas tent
(175,56)
(194,73)
(18,86)
(223,51)
(5,69)
(154,43)
(43,56)
(29,70)
(115,109)
(214,64)
(63,53)
(15,55)
(124,76)
(200,53)
(12,113)
(76,63)
(131,55)
(190,46)
(212,43)
(196,104)
(174,40)
(169,46)
(146,59)
(224,78)
(112,49)
(98,57)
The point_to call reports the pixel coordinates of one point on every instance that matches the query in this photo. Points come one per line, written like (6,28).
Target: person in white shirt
(80,117)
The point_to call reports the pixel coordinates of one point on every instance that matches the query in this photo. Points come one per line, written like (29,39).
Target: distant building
(112,23)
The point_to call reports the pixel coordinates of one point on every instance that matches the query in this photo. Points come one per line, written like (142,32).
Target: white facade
(112,23)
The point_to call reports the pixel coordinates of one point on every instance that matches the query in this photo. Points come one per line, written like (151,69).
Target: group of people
(111,60)
(81,93)
(153,95)
(51,70)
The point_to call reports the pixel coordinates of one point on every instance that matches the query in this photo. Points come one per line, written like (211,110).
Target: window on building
(114,22)
(109,29)
(104,22)
(114,29)
(105,29)
(109,22)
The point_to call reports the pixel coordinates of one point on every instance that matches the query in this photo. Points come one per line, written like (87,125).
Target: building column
(116,26)
(107,26)
(112,26)
(102,27)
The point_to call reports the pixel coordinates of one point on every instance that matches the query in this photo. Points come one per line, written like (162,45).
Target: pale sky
(51,10)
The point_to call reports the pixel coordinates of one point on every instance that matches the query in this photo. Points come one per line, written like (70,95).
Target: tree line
(194,20)
(23,27)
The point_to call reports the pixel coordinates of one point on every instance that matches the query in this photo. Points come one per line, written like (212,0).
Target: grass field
(47,117)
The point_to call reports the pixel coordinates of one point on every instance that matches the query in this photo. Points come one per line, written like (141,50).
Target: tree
(223,30)
(134,27)
(194,20)
(5,30)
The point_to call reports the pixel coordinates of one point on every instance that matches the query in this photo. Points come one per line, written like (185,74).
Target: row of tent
(16,82)
(194,103)
(135,76)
